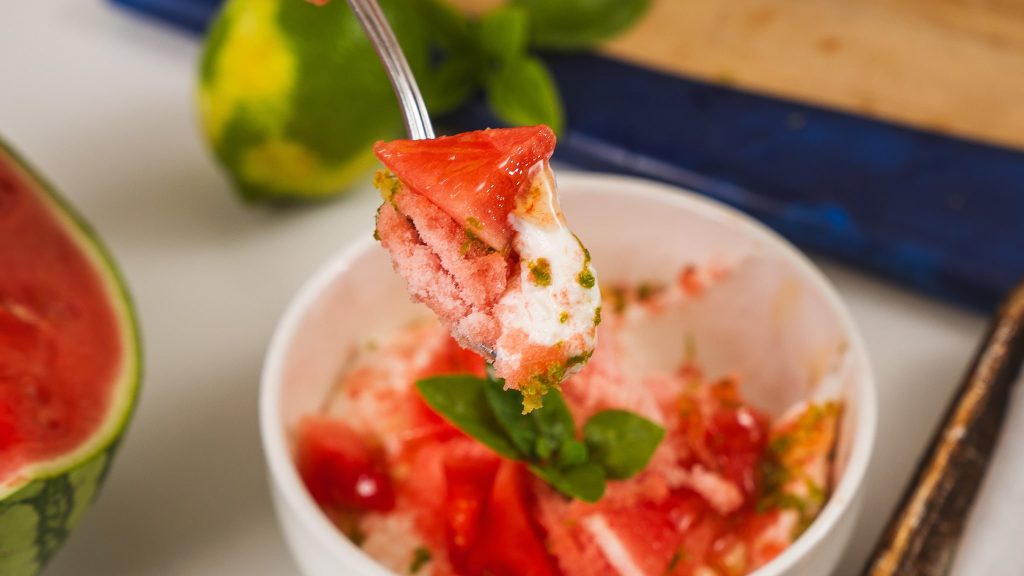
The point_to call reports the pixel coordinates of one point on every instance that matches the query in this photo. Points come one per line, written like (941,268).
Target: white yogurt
(560,307)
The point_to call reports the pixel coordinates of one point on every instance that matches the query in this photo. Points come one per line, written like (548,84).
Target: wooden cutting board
(952,66)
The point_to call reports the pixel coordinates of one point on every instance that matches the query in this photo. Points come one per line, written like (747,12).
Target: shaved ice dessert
(727,489)
(473,225)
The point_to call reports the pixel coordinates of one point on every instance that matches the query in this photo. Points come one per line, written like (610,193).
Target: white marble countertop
(102,103)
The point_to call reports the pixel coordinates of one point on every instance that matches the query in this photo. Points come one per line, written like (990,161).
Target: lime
(292,95)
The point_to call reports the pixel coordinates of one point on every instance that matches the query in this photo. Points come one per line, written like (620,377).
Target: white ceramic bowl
(636,230)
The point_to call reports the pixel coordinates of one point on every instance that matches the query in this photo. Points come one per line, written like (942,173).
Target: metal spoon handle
(414,110)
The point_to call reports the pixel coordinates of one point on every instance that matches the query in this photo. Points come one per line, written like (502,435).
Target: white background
(102,102)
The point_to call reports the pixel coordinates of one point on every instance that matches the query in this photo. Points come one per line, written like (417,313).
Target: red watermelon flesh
(474,176)
(61,345)
(340,469)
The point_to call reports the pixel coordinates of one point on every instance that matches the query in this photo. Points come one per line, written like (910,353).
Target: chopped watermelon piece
(649,532)
(474,176)
(738,438)
(492,531)
(679,535)
(454,359)
(469,478)
(339,469)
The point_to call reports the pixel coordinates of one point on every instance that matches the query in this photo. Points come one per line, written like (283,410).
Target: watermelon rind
(42,502)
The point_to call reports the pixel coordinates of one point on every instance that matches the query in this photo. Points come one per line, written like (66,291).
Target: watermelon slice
(475,176)
(69,367)
(339,469)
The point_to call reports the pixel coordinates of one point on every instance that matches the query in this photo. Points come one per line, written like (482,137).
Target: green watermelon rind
(35,520)
(45,487)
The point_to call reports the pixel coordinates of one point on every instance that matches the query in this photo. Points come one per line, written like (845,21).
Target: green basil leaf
(449,28)
(572,453)
(545,448)
(456,63)
(452,83)
(462,400)
(585,481)
(622,442)
(507,406)
(503,33)
(579,24)
(522,92)
(539,434)
(554,420)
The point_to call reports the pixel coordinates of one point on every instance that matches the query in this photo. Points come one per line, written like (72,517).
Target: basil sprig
(615,444)
(579,24)
(492,52)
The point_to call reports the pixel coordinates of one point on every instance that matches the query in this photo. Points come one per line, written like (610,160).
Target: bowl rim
(285,478)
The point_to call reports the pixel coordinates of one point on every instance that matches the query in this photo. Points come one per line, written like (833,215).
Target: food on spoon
(472,223)
(727,490)
(69,367)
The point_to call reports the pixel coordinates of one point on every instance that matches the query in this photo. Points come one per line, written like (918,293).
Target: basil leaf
(452,83)
(539,434)
(585,481)
(545,448)
(572,453)
(462,400)
(621,441)
(553,419)
(503,33)
(507,406)
(455,70)
(522,93)
(617,444)
(579,24)
(448,26)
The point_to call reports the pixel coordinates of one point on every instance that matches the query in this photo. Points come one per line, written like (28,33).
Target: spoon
(414,110)
(410,100)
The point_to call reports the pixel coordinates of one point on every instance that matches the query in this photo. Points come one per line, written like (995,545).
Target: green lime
(292,95)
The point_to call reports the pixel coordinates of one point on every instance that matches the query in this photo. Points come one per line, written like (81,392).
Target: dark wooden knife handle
(921,537)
